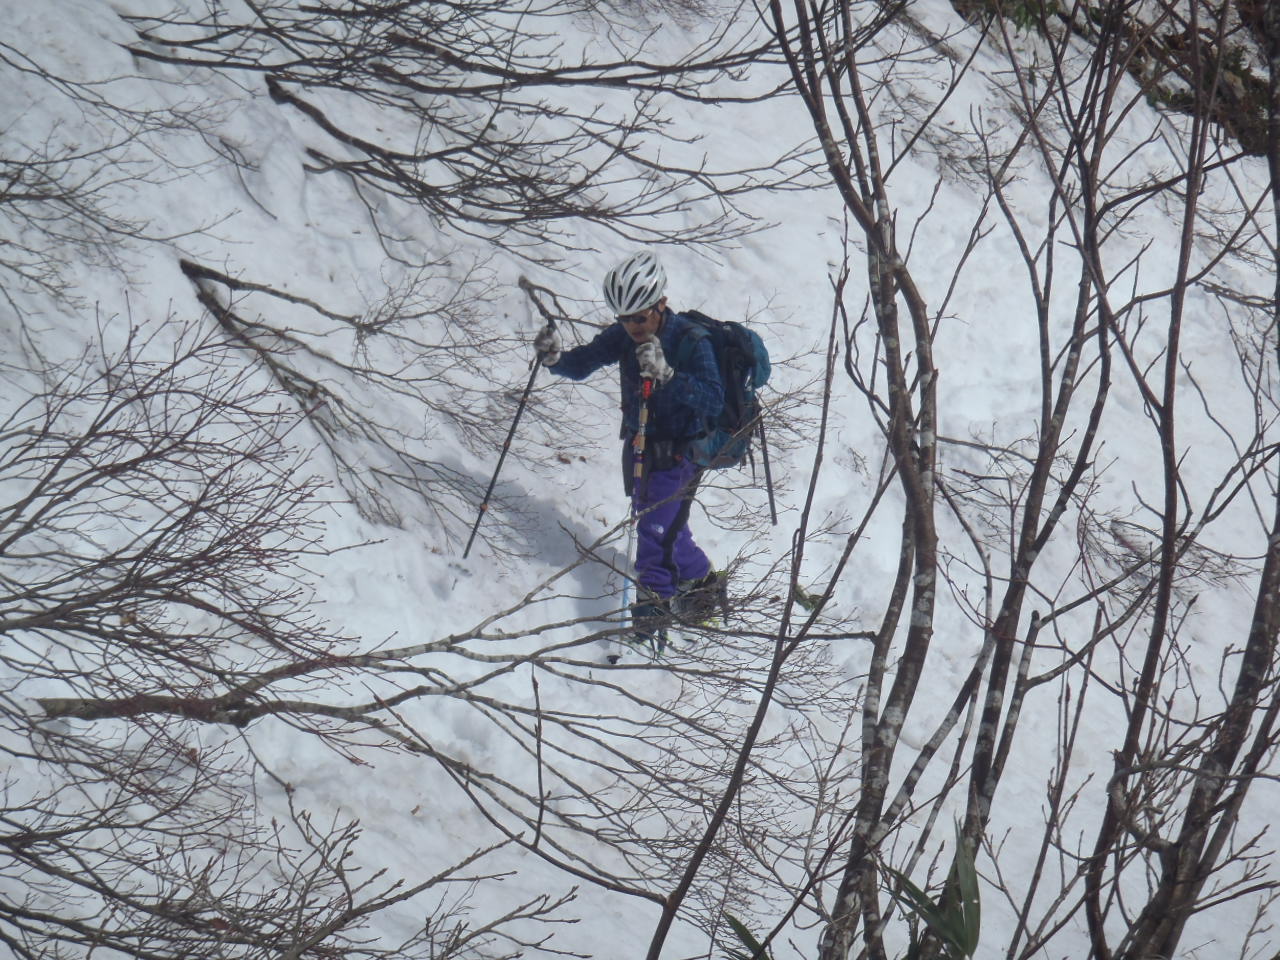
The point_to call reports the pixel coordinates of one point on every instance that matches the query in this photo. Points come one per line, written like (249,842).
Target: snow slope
(271,222)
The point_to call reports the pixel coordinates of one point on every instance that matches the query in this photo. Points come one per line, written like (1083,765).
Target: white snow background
(406,585)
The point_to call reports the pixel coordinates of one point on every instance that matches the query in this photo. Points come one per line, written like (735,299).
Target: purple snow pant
(665,551)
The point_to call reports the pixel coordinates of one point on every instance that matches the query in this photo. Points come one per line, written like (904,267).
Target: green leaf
(809,601)
(755,949)
(945,926)
(957,920)
(966,883)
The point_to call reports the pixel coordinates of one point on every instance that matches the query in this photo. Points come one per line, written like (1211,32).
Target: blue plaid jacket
(680,407)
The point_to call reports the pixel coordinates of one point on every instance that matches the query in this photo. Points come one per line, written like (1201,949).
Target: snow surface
(274,223)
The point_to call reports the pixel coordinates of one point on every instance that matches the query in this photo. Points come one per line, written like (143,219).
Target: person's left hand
(653,365)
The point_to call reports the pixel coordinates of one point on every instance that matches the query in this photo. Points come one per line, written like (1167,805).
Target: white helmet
(636,284)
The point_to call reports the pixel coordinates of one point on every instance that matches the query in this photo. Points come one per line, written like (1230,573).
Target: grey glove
(653,365)
(548,345)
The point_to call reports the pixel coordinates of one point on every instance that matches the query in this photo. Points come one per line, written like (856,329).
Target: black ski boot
(700,601)
(650,617)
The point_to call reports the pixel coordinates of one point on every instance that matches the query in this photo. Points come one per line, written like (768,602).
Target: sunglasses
(635,318)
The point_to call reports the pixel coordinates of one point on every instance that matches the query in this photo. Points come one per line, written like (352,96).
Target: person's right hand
(548,345)
(653,365)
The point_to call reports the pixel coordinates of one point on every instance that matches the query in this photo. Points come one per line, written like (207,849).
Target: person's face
(643,325)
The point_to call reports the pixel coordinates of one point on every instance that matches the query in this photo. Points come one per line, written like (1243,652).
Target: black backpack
(744,369)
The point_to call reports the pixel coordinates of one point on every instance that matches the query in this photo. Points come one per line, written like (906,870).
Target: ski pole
(637,471)
(768,477)
(484,504)
(626,584)
(637,458)
(528,288)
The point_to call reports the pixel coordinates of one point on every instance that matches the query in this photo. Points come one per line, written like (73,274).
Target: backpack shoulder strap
(689,339)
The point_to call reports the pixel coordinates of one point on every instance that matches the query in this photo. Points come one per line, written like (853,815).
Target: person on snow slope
(674,575)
